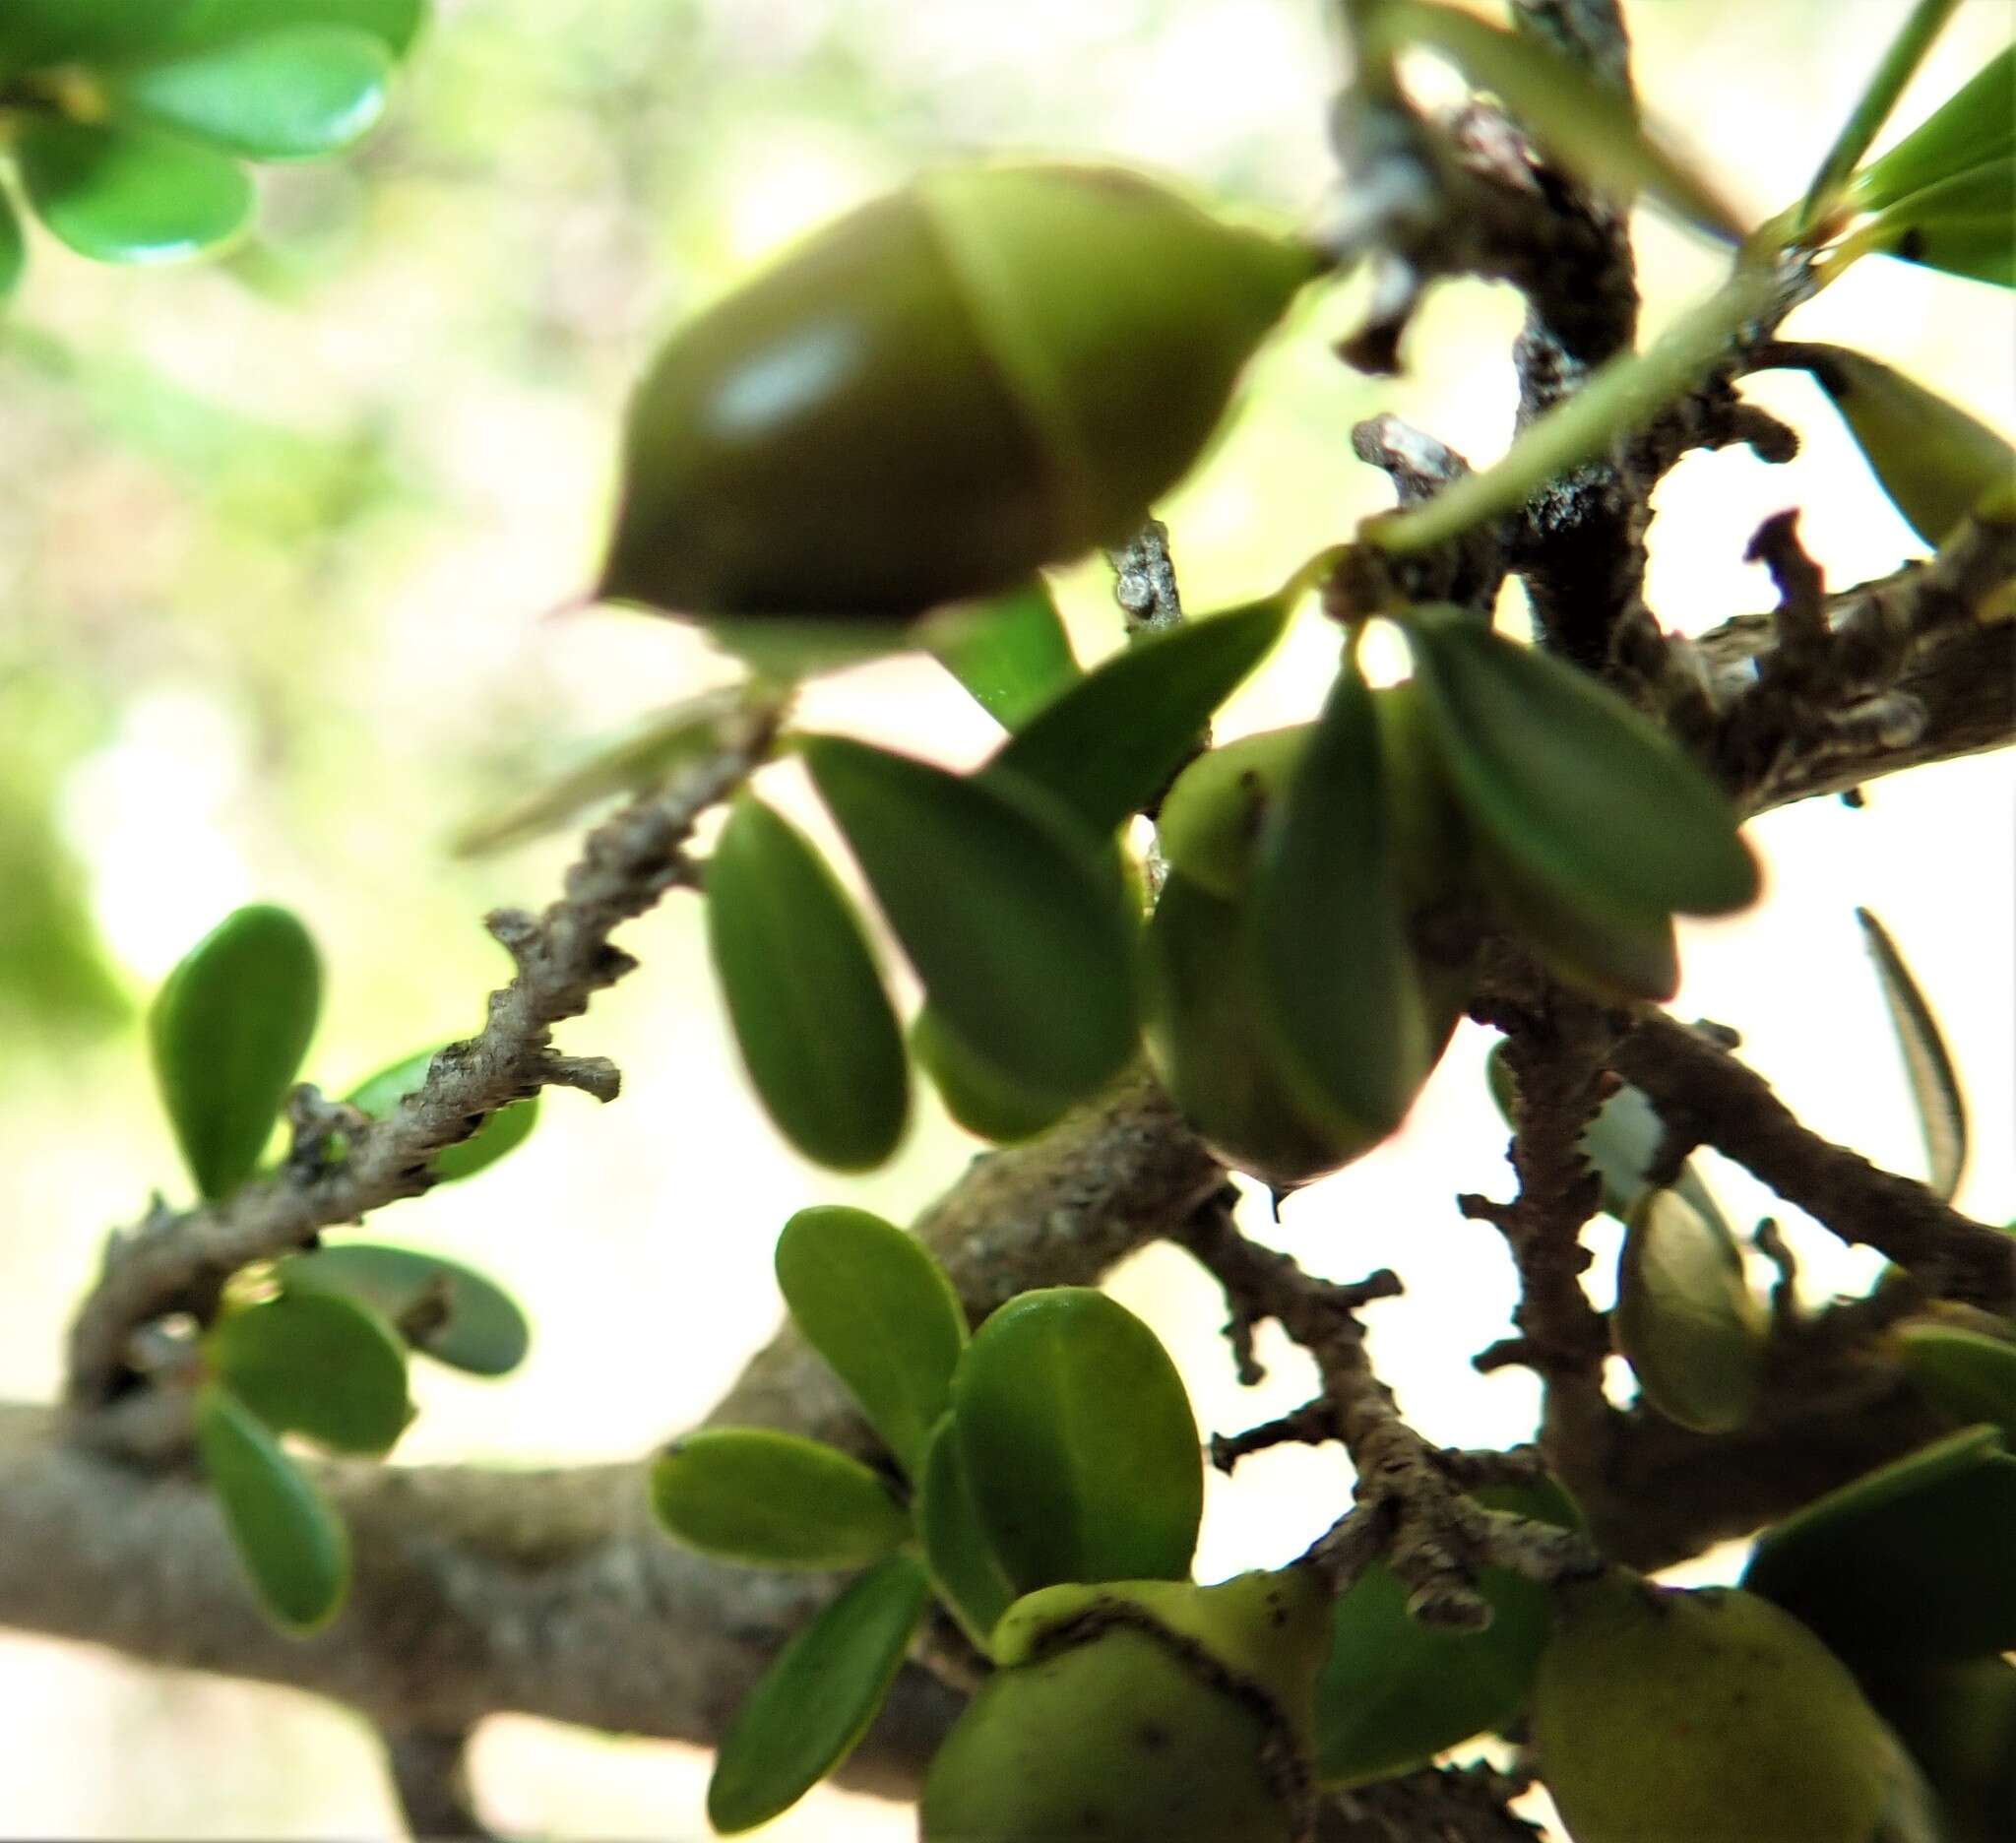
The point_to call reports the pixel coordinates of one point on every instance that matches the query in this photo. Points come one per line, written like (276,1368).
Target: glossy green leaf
(1599,808)
(1106,747)
(318,1364)
(1008,912)
(290,94)
(1592,126)
(13,249)
(775,1501)
(1965,226)
(1078,1443)
(504,1131)
(811,1016)
(964,1569)
(1909,1560)
(1967,1375)
(1328,928)
(978,1097)
(1685,1317)
(881,1312)
(287,1533)
(228,1031)
(129,195)
(441,1309)
(1899,63)
(1393,1692)
(1935,1091)
(815,1702)
(1974,126)
(1011,652)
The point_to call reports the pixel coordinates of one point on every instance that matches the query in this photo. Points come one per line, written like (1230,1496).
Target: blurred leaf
(504,1131)
(1965,226)
(292,93)
(287,1533)
(1898,65)
(1004,908)
(980,1098)
(229,1030)
(964,1569)
(1393,1692)
(1011,652)
(1935,1091)
(52,966)
(881,1312)
(1333,966)
(1210,825)
(1685,1318)
(1909,1561)
(127,195)
(774,1500)
(318,1364)
(1078,1443)
(1622,954)
(1106,747)
(1592,126)
(1974,125)
(1959,1721)
(1598,806)
(13,251)
(37,32)
(395,22)
(443,1310)
(811,1016)
(813,1706)
(1967,1375)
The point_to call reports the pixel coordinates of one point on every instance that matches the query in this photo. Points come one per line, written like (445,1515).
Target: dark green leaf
(811,1015)
(504,1131)
(1008,912)
(1589,799)
(1010,652)
(1934,1085)
(1078,1443)
(228,1031)
(967,1574)
(285,1531)
(1620,953)
(1909,1560)
(13,250)
(1328,927)
(1393,1692)
(1974,125)
(1685,1317)
(1899,63)
(813,1704)
(1967,1375)
(1965,224)
(210,21)
(881,1312)
(1592,126)
(1106,747)
(980,1098)
(440,1307)
(39,32)
(294,93)
(127,195)
(318,1364)
(774,1499)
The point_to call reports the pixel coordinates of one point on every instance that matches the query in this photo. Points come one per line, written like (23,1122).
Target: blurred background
(276,535)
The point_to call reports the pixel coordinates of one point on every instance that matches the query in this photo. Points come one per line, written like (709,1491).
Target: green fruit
(1144,1712)
(1210,820)
(993,368)
(1711,1716)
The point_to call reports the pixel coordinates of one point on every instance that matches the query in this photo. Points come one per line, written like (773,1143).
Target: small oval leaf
(811,1016)
(317,1364)
(1685,1319)
(1967,1375)
(228,1031)
(504,1131)
(881,1312)
(1975,126)
(129,195)
(1106,747)
(1078,1443)
(964,1569)
(1935,1091)
(980,1098)
(815,1702)
(287,1533)
(1008,912)
(294,93)
(1010,652)
(443,1310)
(775,1501)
